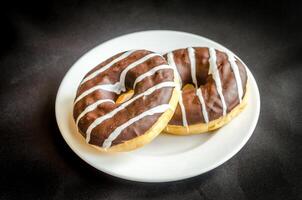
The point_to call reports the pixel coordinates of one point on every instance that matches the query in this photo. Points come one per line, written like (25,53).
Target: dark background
(39,42)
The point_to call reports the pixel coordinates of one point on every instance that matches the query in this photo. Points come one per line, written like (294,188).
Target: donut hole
(124,97)
(188,87)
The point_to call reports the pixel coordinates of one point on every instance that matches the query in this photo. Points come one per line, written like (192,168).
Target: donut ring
(126,101)
(218,94)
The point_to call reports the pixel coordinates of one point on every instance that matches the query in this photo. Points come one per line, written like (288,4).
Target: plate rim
(155,180)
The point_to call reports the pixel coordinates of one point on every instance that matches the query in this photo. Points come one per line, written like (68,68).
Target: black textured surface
(40,40)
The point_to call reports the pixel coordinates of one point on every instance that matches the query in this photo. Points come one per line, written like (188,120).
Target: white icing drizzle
(113,135)
(203,105)
(108,87)
(170,58)
(132,65)
(191,53)
(151,72)
(183,111)
(94,74)
(235,69)
(215,74)
(92,107)
(119,86)
(124,105)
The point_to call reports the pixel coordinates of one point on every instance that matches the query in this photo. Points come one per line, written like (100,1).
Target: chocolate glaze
(207,85)
(111,76)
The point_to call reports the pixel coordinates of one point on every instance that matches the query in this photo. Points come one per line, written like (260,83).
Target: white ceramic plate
(167,158)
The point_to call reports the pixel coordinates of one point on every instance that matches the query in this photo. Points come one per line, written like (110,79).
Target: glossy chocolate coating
(111,76)
(207,84)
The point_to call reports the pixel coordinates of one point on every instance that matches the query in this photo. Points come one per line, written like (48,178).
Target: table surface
(40,40)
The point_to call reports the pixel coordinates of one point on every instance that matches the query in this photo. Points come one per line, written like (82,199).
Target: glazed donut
(214,89)
(126,101)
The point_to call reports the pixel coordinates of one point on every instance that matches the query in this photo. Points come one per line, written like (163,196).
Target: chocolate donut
(111,124)
(218,94)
